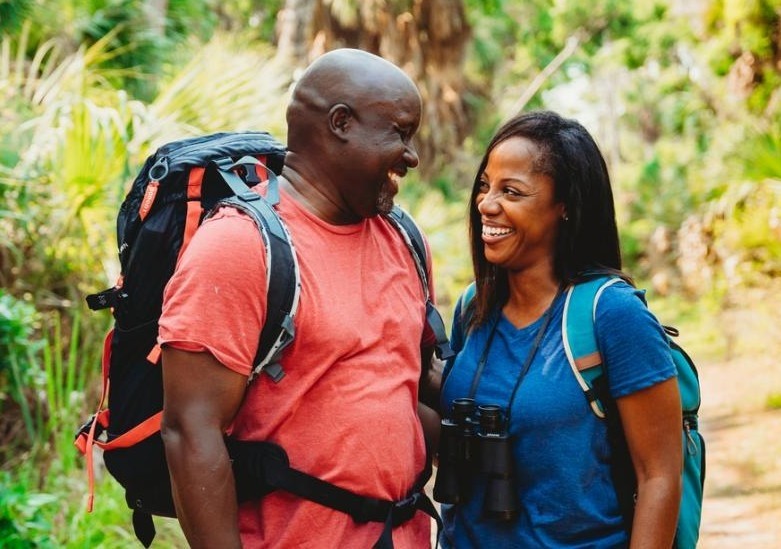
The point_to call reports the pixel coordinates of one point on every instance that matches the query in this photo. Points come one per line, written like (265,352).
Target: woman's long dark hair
(587,242)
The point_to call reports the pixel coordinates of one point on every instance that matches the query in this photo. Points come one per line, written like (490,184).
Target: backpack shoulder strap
(462,310)
(413,238)
(283,276)
(579,336)
(467,296)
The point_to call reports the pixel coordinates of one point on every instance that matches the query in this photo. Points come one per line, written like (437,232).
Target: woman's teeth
(496,231)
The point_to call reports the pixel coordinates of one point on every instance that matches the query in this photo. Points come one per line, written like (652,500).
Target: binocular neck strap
(483,357)
(529,358)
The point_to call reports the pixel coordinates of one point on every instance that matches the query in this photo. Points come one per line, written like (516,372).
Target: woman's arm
(651,420)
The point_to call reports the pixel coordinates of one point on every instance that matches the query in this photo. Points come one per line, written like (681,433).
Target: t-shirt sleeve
(216,299)
(632,341)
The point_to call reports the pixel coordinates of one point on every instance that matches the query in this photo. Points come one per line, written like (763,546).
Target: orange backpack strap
(85,437)
(194,208)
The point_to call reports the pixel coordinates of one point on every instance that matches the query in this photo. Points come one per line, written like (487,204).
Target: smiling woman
(542,220)
(519,212)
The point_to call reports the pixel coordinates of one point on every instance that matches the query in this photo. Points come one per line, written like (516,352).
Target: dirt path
(742,506)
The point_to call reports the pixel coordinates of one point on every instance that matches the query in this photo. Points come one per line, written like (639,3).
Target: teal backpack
(580,345)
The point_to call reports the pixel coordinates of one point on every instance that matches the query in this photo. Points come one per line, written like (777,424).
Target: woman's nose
(487,203)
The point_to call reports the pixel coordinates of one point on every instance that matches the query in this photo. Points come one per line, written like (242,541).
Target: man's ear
(339,118)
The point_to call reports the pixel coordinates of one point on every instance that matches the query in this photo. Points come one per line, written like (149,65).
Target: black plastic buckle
(404,510)
(105,299)
(84,429)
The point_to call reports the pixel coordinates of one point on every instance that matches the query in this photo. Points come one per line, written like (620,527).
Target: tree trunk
(426,38)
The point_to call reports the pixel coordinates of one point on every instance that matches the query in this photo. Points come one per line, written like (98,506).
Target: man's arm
(201,399)
(428,398)
(430,378)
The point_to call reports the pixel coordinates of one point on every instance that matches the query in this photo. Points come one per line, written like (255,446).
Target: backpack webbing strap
(578,334)
(85,437)
(260,467)
(283,278)
(194,209)
(143,527)
(413,238)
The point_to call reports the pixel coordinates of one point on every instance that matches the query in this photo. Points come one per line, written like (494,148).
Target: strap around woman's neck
(546,317)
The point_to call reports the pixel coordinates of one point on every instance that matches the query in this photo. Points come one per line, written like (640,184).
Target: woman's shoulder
(623,307)
(619,293)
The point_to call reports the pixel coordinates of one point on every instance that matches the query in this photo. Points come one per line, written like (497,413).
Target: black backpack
(171,196)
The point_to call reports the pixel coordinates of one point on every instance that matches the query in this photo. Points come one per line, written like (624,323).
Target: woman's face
(518,213)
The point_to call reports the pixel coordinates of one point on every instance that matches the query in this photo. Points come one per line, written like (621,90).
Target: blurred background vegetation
(682,95)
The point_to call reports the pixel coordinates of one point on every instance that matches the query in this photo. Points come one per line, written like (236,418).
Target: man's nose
(411,156)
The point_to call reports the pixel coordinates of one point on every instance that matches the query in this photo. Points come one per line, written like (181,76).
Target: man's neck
(312,196)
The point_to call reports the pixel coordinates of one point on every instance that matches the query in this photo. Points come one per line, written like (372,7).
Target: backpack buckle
(106,298)
(404,510)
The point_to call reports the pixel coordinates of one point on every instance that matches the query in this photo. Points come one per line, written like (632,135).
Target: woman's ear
(339,118)
(563,212)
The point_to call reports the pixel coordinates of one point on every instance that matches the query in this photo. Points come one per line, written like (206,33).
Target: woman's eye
(483,188)
(511,192)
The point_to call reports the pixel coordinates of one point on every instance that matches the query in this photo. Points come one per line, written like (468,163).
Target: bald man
(347,409)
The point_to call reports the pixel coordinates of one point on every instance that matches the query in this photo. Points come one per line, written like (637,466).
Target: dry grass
(741,421)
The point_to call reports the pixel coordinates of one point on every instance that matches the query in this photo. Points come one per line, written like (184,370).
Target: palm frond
(226,86)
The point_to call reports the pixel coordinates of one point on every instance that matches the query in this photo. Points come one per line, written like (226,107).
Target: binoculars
(474,444)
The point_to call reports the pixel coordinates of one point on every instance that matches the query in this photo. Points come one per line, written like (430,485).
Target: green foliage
(773,401)
(493,32)
(13,13)
(443,219)
(746,32)
(22,521)
(17,322)
(257,16)
(760,154)
(67,365)
(142,41)
(18,345)
(34,513)
(226,85)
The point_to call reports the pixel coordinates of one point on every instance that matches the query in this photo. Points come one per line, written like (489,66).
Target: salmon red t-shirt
(346,410)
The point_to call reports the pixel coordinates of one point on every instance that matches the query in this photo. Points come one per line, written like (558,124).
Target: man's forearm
(203,489)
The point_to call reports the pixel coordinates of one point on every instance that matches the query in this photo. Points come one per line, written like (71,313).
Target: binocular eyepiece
(474,444)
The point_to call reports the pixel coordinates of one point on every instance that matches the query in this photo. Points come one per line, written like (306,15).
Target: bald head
(353,77)
(350,125)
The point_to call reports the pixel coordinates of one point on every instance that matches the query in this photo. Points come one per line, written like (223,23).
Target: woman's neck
(530,295)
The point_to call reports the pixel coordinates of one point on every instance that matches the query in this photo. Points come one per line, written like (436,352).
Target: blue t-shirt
(560,449)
